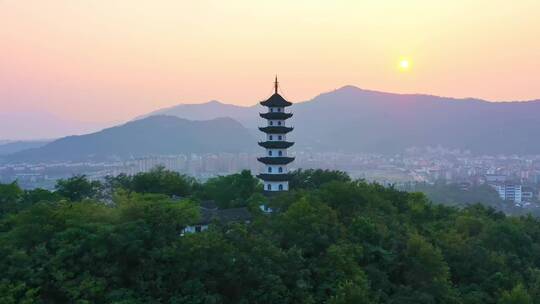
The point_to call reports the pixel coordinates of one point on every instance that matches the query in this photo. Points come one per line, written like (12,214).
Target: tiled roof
(276,101)
(225,216)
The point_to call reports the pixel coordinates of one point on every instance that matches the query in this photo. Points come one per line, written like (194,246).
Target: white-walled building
(509,192)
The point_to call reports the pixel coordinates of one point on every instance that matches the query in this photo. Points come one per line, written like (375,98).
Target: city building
(275,176)
(509,192)
(527,194)
(495,178)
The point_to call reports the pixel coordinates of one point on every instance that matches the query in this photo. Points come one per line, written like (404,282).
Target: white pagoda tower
(276,175)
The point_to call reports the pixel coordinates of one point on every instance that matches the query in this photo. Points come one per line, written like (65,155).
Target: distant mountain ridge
(351,119)
(155,135)
(348,119)
(16,146)
(208,110)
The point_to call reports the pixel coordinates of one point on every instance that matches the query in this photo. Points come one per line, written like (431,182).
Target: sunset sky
(112,60)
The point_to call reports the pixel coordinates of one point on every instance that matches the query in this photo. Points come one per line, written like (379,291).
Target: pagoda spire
(276,84)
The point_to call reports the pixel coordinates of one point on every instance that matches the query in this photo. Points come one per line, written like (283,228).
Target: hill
(351,119)
(16,146)
(210,110)
(149,136)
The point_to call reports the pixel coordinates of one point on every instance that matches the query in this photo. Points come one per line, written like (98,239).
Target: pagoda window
(280,170)
(280,187)
(271,137)
(269,152)
(271,123)
(269,187)
(269,169)
(280,153)
(280,137)
(279,123)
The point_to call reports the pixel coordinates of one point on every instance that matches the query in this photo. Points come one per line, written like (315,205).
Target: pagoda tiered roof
(276,129)
(275,177)
(282,160)
(271,193)
(276,101)
(276,115)
(276,144)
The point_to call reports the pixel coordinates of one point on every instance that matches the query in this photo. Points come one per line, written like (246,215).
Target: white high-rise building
(509,192)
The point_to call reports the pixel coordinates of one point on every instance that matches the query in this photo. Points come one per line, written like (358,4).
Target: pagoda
(275,175)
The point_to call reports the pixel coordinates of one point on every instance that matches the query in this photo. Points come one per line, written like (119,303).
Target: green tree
(349,293)
(425,263)
(159,180)
(121,181)
(231,190)
(78,188)
(39,195)
(309,225)
(314,178)
(10,195)
(426,271)
(518,295)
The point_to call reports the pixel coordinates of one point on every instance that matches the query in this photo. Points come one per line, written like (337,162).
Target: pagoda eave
(276,104)
(276,129)
(276,160)
(276,115)
(276,144)
(270,194)
(276,101)
(274,177)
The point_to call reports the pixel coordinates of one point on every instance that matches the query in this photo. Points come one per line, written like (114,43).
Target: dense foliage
(456,195)
(157,180)
(333,240)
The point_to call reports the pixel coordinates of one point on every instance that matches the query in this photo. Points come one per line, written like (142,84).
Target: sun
(404,64)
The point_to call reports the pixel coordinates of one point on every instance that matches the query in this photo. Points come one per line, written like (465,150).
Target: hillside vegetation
(334,240)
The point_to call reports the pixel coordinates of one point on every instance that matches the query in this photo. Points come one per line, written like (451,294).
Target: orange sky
(115,59)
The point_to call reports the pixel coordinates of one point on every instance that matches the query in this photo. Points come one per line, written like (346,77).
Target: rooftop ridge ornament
(276,84)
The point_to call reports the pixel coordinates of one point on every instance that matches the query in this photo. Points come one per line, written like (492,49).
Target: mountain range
(7,148)
(155,135)
(348,119)
(351,119)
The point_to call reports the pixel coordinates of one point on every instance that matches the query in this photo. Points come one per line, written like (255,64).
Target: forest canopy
(331,240)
